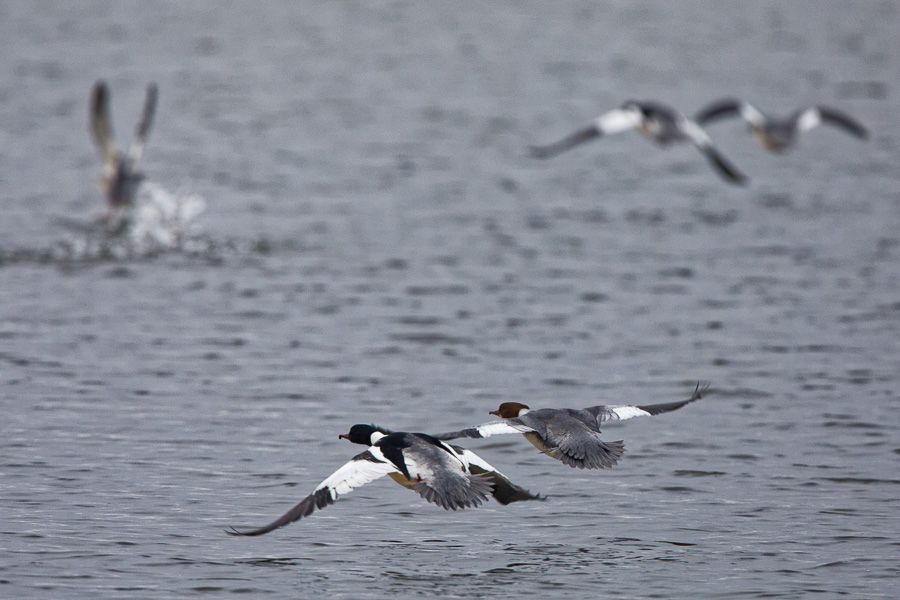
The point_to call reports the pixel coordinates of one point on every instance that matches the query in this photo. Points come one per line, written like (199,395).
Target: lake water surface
(378,247)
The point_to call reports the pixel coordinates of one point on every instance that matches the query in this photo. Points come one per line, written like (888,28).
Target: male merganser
(570,435)
(504,491)
(121,173)
(446,475)
(660,123)
(780,134)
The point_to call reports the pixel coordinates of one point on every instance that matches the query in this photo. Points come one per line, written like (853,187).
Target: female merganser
(121,173)
(443,474)
(570,435)
(660,123)
(780,134)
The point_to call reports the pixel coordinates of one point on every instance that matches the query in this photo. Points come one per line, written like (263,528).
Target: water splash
(161,220)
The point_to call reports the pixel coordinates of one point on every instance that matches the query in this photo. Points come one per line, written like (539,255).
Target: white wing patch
(617,121)
(752,115)
(499,427)
(474,459)
(423,471)
(696,133)
(808,119)
(355,473)
(462,459)
(626,412)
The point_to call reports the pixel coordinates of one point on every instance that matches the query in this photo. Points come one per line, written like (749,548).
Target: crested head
(510,410)
(363,434)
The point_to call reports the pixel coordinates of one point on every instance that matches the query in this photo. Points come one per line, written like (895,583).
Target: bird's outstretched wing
(622,412)
(702,141)
(610,123)
(725,107)
(809,118)
(487,430)
(570,141)
(101,126)
(360,470)
(143,128)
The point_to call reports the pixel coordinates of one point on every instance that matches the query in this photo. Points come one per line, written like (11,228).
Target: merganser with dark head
(121,172)
(503,490)
(568,434)
(446,475)
(661,124)
(779,134)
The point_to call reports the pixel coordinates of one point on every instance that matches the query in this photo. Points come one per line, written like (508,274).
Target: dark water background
(377,247)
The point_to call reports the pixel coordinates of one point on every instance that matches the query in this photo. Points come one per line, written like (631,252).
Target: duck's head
(510,410)
(363,434)
(635,107)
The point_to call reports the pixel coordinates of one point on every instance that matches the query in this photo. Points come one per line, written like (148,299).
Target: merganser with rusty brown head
(569,435)
(779,134)
(446,475)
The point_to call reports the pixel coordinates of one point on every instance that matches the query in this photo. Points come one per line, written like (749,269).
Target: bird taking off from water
(121,172)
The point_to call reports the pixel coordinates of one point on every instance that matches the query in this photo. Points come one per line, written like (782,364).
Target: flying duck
(569,435)
(121,172)
(780,134)
(443,474)
(661,124)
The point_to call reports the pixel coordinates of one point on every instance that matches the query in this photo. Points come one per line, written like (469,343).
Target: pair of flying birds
(453,477)
(666,126)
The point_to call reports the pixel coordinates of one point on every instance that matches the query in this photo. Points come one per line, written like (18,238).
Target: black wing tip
(100,87)
(99,96)
(737,178)
(575,139)
(318,499)
(252,532)
(505,491)
(541,152)
(730,172)
(150,98)
(702,389)
(143,127)
(844,121)
(725,168)
(518,494)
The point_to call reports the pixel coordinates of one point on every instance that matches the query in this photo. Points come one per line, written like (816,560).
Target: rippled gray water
(377,247)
